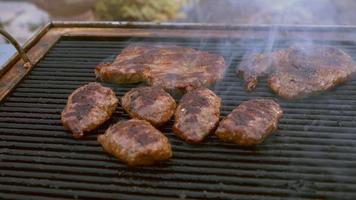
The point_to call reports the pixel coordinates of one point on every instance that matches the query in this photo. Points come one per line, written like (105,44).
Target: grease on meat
(152,104)
(171,67)
(87,108)
(197,115)
(298,71)
(136,142)
(250,123)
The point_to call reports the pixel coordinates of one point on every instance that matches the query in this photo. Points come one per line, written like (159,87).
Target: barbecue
(88,107)
(152,104)
(310,156)
(197,115)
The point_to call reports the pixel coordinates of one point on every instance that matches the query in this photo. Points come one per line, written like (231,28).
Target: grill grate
(312,155)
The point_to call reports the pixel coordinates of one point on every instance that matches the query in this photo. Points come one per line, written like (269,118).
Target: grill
(311,156)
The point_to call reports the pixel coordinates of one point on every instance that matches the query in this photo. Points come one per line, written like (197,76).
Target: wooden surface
(17,72)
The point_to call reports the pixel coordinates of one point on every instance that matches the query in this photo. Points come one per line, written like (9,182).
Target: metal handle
(18,48)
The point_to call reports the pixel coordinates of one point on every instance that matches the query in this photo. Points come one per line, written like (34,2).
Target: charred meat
(311,69)
(128,67)
(299,71)
(136,142)
(152,104)
(258,65)
(250,123)
(197,115)
(87,108)
(168,66)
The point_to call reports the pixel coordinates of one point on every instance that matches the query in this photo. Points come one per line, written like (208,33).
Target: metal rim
(262,27)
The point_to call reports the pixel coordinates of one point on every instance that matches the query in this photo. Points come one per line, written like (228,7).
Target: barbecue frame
(307,159)
(37,47)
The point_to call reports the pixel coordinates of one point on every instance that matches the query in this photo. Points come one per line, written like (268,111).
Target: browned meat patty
(197,115)
(130,66)
(168,66)
(136,142)
(87,108)
(250,123)
(309,70)
(258,65)
(299,71)
(152,104)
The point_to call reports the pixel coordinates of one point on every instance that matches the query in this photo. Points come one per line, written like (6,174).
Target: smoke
(258,12)
(315,12)
(276,12)
(292,12)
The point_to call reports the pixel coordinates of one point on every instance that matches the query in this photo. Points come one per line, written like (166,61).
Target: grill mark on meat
(152,104)
(81,110)
(144,102)
(197,115)
(193,103)
(172,76)
(136,142)
(170,67)
(83,102)
(140,136)
(298,71)
(193,118)
(87,108)
(250,123)
(242,118)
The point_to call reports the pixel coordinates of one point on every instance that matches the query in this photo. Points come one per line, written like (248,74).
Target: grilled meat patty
(168,66)
(250,123)
(311,69)
(136,142)
(130,66)
(87,108)
(197,115)
(299,71)
(152,104)
(258,65)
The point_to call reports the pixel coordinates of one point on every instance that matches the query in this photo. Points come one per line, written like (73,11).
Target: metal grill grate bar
(312,155)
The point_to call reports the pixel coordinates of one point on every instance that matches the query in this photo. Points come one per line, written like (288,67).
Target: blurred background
(23,17)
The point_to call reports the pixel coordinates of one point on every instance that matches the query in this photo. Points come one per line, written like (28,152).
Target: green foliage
(139,10)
